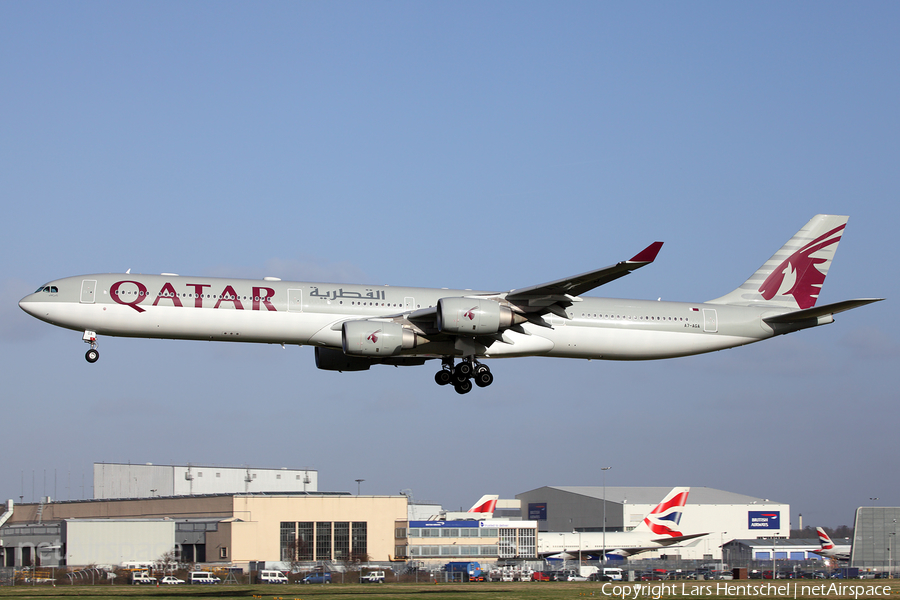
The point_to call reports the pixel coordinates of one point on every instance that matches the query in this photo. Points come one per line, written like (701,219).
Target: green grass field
(754,590)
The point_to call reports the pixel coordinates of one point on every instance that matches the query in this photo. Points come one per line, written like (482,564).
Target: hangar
(875,538)
(722,515)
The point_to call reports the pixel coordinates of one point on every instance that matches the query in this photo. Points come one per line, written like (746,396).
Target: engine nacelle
(473,316)
(376,338)
(329,359)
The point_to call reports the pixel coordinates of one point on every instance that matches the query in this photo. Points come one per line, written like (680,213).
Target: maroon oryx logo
(373,337)
(470,314)
(799,272)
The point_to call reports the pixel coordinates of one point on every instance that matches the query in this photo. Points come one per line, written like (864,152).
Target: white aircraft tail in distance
(829,549)
(485,505)
(353,327)
(661,528)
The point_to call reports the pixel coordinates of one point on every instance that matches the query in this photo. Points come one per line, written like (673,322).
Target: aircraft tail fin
(665,518)
(485,504)
(824,540)
(793,277)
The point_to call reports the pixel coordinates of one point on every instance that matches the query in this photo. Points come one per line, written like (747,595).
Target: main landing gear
(463,374)
(91,355)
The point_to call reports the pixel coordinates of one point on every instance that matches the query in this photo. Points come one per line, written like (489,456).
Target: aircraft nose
(29,305)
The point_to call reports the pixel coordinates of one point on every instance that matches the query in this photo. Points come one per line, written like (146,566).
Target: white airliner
(658,530)
(353,327)
(831,550)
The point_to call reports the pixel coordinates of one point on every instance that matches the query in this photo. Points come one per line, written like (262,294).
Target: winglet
(648,254)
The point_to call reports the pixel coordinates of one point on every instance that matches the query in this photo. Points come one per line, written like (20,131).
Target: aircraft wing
(658,543)
(532,302)
(671,541)
(555,296)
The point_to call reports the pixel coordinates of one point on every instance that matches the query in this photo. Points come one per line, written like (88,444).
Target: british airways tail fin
(824,540)
(793,277)
(486,504)
(665,518)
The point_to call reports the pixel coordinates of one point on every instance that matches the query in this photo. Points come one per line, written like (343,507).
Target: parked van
(204,577)
(317,578)
(372,577)
(142,577)
(271,577)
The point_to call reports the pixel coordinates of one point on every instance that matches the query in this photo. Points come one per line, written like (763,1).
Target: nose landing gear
(91,355)
(463,374)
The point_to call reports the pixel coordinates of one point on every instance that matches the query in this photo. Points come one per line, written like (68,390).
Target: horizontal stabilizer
(819,311)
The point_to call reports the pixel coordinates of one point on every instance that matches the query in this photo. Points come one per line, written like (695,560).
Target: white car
(170,580)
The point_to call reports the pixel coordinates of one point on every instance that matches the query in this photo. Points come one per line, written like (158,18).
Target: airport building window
(323,540)
(507,544)
(305,540)
(527,546)
(288,541)
(341,540)
(400,533)
(360,538)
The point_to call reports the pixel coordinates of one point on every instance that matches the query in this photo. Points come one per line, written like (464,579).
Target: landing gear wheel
(484,378)
(463,387)
(480,368)
(91,355)
(443,377)
(463,370)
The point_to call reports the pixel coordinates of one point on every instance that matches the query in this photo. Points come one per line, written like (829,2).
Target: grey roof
(653,495)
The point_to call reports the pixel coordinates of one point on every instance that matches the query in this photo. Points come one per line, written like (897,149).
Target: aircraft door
(295,300)
(88,286)
(409,303)
(710,321)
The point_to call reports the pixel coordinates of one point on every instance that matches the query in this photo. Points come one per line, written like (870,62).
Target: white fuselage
(278,312)
(621,543)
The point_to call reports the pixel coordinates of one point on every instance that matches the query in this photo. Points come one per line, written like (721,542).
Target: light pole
(874,552)
(893,535)
(603,555)
(358,481)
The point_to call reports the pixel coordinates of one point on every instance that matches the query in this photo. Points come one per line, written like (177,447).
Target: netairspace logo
(640,591)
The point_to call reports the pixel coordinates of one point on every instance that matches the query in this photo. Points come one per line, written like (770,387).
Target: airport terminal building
(200,514)
(234,529)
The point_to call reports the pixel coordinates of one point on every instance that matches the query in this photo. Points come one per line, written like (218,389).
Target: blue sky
(462,145)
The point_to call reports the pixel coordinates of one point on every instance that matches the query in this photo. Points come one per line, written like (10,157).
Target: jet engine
(376,338)
(472,316)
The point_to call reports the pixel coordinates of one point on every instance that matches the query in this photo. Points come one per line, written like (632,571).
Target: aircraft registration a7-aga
(353,327)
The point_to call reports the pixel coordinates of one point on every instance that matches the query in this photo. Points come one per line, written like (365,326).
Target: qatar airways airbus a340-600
(353,327)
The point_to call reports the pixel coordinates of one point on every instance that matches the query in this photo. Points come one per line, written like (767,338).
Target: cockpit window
(48,289)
